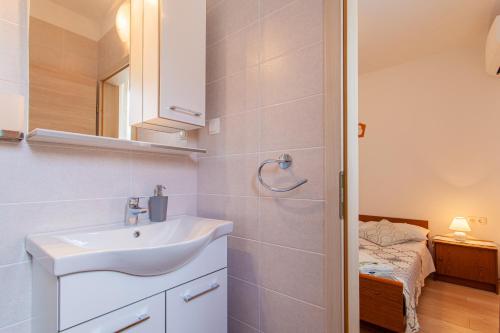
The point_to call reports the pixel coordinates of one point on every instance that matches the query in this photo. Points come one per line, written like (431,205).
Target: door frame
(341,146)
(350,164)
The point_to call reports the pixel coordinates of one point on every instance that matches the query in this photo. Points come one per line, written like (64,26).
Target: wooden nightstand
(467,264)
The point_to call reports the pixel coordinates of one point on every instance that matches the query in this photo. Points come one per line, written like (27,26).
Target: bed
(389,300)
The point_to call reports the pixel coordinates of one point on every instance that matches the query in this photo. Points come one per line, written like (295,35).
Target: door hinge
(341,194)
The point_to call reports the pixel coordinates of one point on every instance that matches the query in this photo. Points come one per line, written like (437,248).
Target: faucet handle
(133,202)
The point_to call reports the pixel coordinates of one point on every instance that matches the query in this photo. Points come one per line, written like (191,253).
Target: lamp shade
(459,224)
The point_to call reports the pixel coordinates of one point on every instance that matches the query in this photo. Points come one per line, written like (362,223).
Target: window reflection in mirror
(79,66)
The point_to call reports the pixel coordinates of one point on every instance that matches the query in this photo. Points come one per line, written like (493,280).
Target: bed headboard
(420,223)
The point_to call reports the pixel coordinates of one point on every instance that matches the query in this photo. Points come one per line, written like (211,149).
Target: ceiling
(94,10)
(393,32)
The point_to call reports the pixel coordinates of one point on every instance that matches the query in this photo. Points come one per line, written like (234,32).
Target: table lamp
(460,226)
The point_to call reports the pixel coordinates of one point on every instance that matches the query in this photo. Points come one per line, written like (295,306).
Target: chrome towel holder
(284,161)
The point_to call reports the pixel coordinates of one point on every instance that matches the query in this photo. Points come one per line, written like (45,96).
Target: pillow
(414,232)
(386,233)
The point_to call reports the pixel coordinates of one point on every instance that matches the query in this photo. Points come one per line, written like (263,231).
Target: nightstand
(472,264)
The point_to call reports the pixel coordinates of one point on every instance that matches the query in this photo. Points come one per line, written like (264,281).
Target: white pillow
(414,232)
(386,233)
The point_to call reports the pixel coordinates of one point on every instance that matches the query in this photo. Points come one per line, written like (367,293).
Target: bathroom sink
(145,250)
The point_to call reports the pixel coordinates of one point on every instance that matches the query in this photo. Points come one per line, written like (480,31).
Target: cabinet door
(146,316)
(199,306)
(487,265)
(457,261)
(182,61)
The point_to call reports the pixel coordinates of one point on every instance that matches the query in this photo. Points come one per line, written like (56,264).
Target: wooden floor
(449,308)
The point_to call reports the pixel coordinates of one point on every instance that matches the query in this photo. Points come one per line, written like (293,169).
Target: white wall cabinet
(168,86)
(192,299)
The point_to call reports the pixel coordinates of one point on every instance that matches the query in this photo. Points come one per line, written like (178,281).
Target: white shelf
(67,138)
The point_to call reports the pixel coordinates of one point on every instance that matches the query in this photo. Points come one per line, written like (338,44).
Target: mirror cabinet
(130,70)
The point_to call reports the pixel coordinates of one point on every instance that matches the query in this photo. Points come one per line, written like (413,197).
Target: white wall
(432,144)
(44,188)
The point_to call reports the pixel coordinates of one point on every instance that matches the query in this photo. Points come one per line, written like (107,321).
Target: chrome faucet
(133,211)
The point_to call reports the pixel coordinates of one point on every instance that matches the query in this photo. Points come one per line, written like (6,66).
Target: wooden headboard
(420,223)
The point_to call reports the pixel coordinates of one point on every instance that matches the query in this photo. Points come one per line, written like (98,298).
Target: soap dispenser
(158,205)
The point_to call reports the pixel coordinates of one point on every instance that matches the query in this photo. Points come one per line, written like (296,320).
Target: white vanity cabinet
(170,87)
(191,299)
(144,316)
(199,306)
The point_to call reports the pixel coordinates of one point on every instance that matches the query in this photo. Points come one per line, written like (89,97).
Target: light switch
(214,126)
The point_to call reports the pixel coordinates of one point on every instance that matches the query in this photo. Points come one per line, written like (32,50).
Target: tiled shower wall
(265,83)
(45,188)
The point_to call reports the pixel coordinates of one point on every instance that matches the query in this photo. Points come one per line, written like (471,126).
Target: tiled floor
(449,308)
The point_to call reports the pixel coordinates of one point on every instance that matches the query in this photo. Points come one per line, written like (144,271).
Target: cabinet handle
(181,109)
(139,321)
(188,297)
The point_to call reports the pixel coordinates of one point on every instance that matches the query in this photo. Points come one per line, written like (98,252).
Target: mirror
(79,66)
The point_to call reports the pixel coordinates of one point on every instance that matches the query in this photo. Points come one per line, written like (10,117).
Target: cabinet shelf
(67,138)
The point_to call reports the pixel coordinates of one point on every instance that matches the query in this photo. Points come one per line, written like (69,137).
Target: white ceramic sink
(146,250)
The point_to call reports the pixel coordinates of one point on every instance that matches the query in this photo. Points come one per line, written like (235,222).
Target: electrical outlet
(214,126)
(482,220)
(477,219)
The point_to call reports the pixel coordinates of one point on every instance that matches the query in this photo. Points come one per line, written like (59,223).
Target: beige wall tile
(234,53)
(233,175)
(243,302)
(22,327)
(292,272)
(212,3)
(51,216)
(216,61)
(81,174)
(243,211)
(15,303)
(307,163)
(237,135)
(243,259)
(296,75)
(215,101)
(281,124)
(230,16)
(233,94)
(293,223)
(283,92)
(176,173)
(292,27)
(280,314)
(235,326)
(269,6)
(243,49)
(242,91)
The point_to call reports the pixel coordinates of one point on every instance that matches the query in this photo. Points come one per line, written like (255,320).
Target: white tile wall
(265,82)
(46,188)
(265,79)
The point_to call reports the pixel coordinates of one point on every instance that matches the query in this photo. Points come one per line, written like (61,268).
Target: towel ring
(284,161)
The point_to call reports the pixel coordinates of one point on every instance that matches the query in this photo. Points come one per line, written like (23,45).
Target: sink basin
(145,250)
